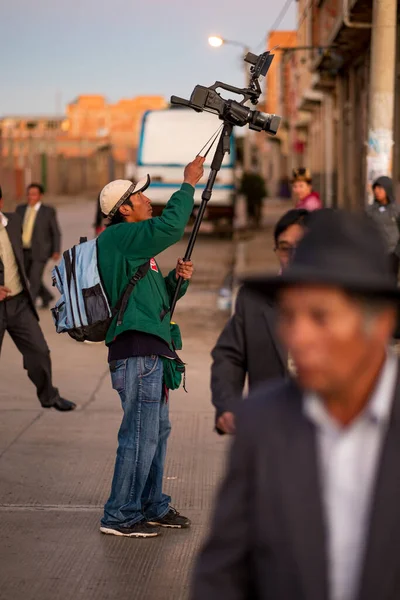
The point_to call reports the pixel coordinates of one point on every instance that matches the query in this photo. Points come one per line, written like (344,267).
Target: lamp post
(217,41)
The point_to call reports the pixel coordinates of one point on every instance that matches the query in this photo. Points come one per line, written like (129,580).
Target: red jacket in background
(310,202)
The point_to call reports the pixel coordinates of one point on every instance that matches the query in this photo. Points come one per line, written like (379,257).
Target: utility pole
(328,126)
(382,91)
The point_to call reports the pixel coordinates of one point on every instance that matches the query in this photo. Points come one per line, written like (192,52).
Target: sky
(52,51)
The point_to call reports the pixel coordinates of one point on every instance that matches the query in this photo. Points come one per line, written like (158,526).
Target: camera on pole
(232,113)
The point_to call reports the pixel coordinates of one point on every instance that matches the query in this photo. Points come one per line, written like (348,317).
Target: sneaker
(172,519)
(138,530)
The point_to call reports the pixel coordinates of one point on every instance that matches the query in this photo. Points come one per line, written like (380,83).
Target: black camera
(231,111)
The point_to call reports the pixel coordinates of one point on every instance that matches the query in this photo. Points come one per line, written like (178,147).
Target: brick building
(71,154)
(90,117)
(274,151)
(327,97)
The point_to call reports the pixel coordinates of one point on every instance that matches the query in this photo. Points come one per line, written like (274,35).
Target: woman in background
(304,195)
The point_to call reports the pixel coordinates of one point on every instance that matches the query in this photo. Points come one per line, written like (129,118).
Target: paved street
(313,91)
(55,469)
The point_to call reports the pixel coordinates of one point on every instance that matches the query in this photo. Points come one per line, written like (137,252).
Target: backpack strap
(68,270)
(75,279)
(121,305)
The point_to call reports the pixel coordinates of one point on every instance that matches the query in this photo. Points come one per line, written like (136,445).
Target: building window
(52,125)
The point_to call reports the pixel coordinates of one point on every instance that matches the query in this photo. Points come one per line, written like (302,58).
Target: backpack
(83,309)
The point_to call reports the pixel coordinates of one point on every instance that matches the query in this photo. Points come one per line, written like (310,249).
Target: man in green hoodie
(139,347)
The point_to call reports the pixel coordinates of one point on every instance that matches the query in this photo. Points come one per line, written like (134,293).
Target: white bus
(170,139)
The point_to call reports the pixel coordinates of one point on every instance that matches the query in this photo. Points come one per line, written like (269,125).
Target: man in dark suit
(248,344)
(309,508)
(18,315)
(41,240)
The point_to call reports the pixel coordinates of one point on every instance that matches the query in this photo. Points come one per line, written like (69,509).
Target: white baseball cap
(114,194)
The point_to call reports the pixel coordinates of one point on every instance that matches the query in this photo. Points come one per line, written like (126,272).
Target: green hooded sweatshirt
(124,247)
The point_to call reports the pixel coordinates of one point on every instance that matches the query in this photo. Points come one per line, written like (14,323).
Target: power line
(301,19)
(276,24)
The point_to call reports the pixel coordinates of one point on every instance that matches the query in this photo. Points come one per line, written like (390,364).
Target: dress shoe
(61,404)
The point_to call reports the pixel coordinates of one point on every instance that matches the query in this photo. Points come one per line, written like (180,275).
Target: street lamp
(216,41)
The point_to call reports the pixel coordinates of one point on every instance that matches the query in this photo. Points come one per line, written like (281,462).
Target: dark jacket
(268,538)
(124,247)
(46,236)
(248,345)
(14,231)
(99,221)
(386,216)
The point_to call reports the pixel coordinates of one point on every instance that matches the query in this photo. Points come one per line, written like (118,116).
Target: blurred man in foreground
(248,344)
(309,507)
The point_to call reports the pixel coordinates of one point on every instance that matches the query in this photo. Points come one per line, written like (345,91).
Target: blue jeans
(136,491)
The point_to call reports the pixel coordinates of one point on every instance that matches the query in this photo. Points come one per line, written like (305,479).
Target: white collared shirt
(348,459)
(12,279)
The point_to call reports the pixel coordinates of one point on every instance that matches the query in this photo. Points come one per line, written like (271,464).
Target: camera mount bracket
(231,113)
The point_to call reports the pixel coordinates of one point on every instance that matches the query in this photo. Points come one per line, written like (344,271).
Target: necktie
(29,222)
(291,366)
(1,234)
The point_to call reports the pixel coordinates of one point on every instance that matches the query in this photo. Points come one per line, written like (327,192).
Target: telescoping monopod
(231,113)
(223,147)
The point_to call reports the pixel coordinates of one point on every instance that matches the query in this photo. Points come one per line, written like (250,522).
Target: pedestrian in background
(254,190)
(309,507)
(249,345)
(18,315)
(304,195)
(385,212)
(99,222)
(41,240)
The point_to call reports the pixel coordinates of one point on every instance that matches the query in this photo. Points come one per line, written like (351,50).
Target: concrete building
(24,136)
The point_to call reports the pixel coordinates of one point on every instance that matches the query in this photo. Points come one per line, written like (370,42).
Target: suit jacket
(46,236)
(14,231)
(268,538)
(247,345)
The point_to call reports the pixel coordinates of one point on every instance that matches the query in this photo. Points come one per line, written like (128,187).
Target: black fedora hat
(340,249)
